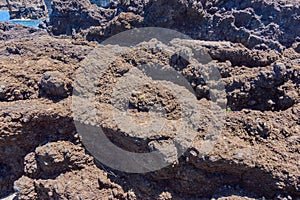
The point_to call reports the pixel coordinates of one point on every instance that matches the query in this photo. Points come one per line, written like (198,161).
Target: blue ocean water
(5,17)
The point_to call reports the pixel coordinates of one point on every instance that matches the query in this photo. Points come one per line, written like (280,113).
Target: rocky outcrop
(53,159)
(67,17)
(256,24)
(29,9)
(43,157)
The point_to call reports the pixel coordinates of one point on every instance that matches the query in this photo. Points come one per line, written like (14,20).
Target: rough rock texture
(14,32)
(27,9)
(69,16)
(256,24)
(38,122)
(54,85)
(76,176)
(43,157)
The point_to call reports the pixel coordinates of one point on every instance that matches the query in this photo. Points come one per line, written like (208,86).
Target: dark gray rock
(69,16)
(259,24)
(54,84)
(32,9)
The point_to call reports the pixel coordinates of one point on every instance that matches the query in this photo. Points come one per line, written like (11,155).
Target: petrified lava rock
(29,9)
(69,16)
(69,164)
(259,24)
(43,157)
(54,85)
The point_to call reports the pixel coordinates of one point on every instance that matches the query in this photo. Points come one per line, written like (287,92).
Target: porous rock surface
(43,157)
(258,24)
(26,9)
